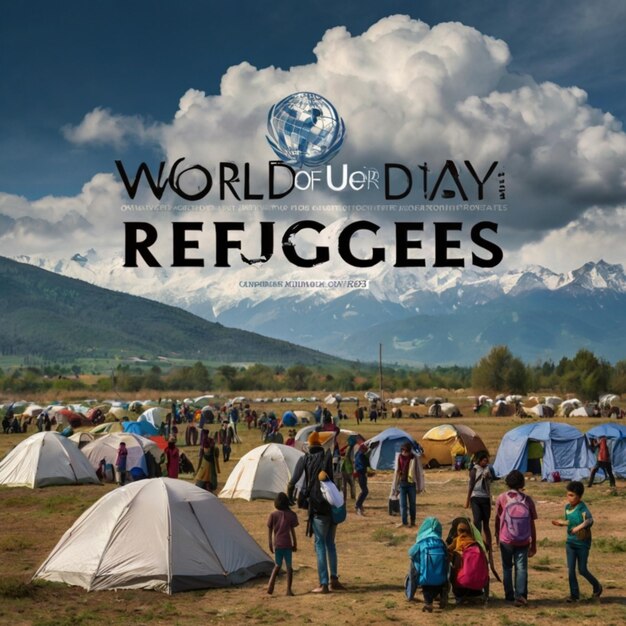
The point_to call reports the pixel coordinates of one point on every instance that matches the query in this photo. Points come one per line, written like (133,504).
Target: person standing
(579,521)
(361,469)
(517,537)
(172,458)
(347,468)
(479,494)
(120,464)
(320,522)
(603,462)
(408,480)
(206,476)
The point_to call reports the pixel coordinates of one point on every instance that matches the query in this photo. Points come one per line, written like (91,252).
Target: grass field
(372,555)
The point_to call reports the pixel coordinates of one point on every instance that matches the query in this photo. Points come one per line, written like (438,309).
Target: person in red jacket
(603,461)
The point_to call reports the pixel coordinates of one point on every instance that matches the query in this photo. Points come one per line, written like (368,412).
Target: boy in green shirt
(578,520)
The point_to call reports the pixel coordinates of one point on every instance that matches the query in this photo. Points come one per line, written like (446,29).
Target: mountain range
(432,316)
(56,317)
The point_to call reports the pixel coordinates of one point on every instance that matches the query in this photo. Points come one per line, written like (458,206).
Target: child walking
(579,521)
(281,526)
(517,537)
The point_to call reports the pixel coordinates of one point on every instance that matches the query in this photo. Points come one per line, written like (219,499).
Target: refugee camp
(188,507)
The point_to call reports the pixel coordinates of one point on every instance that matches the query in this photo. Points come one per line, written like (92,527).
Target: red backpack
(474,571)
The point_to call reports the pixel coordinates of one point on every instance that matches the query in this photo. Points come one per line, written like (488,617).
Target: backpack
(310,496)
(474,570)
(433,562)
(516,527)
(338,513)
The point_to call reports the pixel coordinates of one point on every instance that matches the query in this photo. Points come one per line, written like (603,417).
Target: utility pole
(380,370)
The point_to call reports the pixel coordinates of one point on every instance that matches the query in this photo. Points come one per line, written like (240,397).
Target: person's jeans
(362,478)
(407,502)
(325,550)
(580,554)
(514,557)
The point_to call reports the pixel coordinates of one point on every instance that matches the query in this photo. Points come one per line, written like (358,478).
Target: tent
(566,407)
(541,410)
(289,418)
(145,429)
(565,450)
(384,447)
(162,534)
(154,416)
(82,439)
(445,409)
(305,417)
(33,410)
(326,437)
(46,459)
(118,413)
(106,448)
(444,442)
(64,417)
(582,411)
(616,435)
(262,473)
(107,428)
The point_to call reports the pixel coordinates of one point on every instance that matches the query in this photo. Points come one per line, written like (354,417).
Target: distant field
(372,555)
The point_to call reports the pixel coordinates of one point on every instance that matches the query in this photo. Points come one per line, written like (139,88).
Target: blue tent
(145,429)
(565,450)
(289,419)
(616,435)
(385,445)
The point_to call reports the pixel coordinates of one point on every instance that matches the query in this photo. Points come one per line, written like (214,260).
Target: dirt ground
(372,555)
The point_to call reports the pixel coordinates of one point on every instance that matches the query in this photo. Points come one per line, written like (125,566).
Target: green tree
(297,377)
(500,371)
(200,377)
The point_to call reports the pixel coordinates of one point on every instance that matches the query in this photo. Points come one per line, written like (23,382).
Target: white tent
(106,448)
(162,534)
(582,411)
(82,439)
(262,473)
(447,409)
(154,416)
(45,459)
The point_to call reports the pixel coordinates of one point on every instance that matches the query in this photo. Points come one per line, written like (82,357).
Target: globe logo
(305,129)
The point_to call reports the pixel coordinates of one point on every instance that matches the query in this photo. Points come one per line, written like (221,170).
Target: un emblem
(305,129)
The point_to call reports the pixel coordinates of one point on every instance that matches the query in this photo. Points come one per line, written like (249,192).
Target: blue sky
(61,60)
(538,86)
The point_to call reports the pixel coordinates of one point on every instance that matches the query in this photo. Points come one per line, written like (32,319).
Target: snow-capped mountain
(250,299)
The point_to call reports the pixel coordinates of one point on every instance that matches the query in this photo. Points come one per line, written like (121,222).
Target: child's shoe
(572,599)
(598,592)
(427,608)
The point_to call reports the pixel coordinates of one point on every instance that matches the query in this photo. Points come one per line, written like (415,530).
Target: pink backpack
(516,520)
(474,571)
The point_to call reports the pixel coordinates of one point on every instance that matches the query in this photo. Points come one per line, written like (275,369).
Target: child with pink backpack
(469,574)
(516,534)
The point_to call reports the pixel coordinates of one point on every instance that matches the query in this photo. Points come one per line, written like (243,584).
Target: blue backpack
(432,566)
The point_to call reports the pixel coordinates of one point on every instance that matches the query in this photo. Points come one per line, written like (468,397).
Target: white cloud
(101,127)
(408,93)
(596,234)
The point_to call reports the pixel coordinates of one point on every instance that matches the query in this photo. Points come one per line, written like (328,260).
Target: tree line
(584,374)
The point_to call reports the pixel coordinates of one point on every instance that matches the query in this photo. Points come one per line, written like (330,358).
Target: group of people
(460,563)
